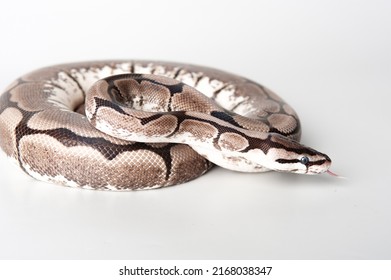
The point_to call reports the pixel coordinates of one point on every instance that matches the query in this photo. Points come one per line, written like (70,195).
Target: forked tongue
(334,175)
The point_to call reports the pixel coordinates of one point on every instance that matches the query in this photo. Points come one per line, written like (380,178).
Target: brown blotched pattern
(42,128)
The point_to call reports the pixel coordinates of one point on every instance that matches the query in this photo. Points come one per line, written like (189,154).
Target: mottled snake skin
(124,125)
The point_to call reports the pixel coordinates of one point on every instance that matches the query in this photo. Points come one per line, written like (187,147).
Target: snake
(134,124)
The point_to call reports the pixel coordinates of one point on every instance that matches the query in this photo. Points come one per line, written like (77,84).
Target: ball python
(126,125)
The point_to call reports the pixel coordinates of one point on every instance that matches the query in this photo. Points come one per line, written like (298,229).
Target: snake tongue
(333,174)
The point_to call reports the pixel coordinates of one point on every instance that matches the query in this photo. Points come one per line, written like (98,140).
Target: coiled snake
(120,125)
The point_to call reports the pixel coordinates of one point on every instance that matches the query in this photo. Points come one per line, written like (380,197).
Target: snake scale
(125,125)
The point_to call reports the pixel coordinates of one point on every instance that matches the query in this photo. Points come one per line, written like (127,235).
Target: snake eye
(304,160)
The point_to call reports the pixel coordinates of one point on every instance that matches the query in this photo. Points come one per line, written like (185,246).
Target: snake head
(289,155)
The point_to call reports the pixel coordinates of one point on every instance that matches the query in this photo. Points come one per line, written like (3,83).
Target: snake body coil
(123,125)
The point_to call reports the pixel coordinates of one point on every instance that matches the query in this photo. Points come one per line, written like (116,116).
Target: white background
(329,59)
